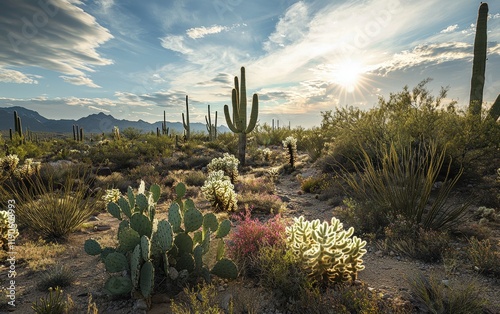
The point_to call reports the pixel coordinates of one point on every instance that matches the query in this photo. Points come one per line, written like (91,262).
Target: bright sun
(347,75)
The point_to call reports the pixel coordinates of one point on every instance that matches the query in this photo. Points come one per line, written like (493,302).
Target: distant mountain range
(94,123)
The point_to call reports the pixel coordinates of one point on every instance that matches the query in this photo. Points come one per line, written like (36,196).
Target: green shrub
(54,303)
(484,256)
(54,211)
(57,276)
(200,300)
(404,237)
(433,296)
(194,178)
(402,184)
(279,271)
(262,202)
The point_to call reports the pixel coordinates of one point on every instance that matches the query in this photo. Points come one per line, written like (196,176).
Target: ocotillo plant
(211,128)
(239,122)
(479,67)
(185,123)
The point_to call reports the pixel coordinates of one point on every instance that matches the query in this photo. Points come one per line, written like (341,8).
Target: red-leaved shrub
(251,235)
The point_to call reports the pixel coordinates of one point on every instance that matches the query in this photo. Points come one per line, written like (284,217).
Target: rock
(285,198)
(379,253)
(226,301)
(140,305)
(102,228)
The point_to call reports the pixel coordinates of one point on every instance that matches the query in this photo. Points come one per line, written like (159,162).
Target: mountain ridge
(93,123)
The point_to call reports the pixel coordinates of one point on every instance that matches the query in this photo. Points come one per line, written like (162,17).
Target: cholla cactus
(219,191)
(264,153)
(290,143)
(9,163)
(228,164)
(112,195)
(8,231)
(29,168)
(326,250)
(486,214)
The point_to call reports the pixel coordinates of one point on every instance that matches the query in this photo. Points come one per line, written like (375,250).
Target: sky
(134,59)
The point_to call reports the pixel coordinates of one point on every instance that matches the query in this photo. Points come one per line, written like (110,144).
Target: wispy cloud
(12,76)
(175,43)
(426,54)
(80,80)
(55,35)
(200,32)
(450,29)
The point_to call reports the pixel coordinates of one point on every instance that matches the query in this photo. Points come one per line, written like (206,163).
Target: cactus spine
(479,62)
(239,122)
(185,122)
(211,128)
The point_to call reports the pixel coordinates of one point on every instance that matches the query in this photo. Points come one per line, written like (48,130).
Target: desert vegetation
(176,223)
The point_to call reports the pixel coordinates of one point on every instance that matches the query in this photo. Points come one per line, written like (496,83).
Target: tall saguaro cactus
(211,128)
(17,125)
(239,122)
(185,123)
(479,62)
(479,67)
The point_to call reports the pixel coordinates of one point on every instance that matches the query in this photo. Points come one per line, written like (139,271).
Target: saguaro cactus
(17,125)
(164,129)
(185,123)
(211,128)
(239,122)
(479,62)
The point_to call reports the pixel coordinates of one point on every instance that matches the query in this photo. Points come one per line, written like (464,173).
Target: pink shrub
(251,235)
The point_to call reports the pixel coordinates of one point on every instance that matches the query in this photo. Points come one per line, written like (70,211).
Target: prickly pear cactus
(225,268)
(92,247)
(117,285)
(116,262)
(147,279)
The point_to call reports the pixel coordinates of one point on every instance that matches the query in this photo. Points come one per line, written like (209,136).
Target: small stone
(140,305)
(93,218)
(226,301)
(379,253)
(102,228)
(445,282)
(300,192)
(221,289)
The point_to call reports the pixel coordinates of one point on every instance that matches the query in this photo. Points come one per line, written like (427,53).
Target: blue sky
(133,59)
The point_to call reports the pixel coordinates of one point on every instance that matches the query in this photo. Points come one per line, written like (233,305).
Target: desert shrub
(484,256)
(313,184)
(250,236)
(228,164)
(255,185)
(433,296)
(202,299)
(485,214)
(194,178)
(279,271)
(54,303)
(413,241)
(144,172)
(114,181)
(402,184)
(57,276)
(219,191)
(327,252)
(408,116)
(54,211)
(262,202)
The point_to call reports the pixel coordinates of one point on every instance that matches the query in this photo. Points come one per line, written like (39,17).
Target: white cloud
(175,43)
(80,80)
(200,32)
(290,28)
(55,35)
(425,54)
(449,29)
(12,76)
